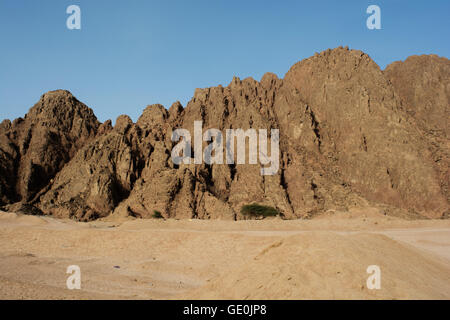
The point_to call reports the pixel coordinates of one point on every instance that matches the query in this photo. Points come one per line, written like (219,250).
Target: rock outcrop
(423,84)
(34,149)
(350,135)
(365,133)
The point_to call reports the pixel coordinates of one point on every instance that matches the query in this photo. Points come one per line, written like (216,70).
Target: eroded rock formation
(350,135)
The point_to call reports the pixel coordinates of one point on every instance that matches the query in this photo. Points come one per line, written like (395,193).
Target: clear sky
(129,54)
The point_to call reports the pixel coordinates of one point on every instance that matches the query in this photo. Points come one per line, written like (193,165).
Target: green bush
(157,215)
(257,210)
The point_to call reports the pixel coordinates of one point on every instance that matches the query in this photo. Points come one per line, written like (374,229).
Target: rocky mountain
(351,134)
(423,83)
(34,149)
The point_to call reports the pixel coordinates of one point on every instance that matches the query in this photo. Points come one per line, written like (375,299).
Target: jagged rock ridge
(350,135)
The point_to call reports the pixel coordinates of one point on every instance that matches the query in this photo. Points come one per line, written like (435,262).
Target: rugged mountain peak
(123,123)
(423,83)
(105,127)
(50,96)
(350,135)
(62,108)
(48,137)
(269,79)
(153,115)
(5,125)
(360,123)
(235,81)
(175,111)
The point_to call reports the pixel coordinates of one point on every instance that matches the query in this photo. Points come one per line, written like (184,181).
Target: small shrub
(257,210)
(157,215)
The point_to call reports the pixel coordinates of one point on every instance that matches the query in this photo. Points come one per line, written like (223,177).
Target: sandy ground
(323,258)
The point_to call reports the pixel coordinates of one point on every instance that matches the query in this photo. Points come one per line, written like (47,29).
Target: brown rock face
(35,148)
(95,181)
(350,134)
(423,83)
(365,132)
(8,167)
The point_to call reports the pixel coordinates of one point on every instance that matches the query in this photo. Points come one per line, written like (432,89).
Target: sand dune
(322,258)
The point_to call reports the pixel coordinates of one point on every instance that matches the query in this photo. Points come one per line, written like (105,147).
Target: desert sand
(322,258)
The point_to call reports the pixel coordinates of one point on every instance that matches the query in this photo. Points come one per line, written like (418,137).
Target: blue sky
(129,54)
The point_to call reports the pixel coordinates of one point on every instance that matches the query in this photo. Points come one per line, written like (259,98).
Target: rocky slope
(423,83)
(34,149)
(350,135)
